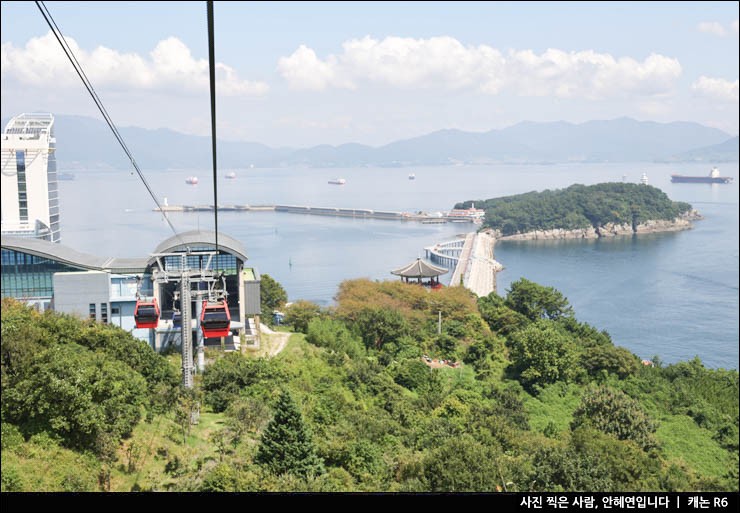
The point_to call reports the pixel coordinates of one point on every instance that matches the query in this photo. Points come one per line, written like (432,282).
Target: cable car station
(184,282)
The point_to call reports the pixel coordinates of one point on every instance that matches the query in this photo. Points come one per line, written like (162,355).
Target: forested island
(514,394)
(582,211)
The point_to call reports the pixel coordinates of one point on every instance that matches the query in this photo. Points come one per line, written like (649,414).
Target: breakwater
(422,217)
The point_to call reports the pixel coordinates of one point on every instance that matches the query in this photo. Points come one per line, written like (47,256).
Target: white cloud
(303,70)
(712,27)
(170,66)
(444,62)
(717,89)
(717,29)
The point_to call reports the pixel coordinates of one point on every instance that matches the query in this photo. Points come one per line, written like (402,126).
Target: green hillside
(528,399)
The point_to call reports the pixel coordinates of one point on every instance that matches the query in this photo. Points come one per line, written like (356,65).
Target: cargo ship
(712,177)
(338,181)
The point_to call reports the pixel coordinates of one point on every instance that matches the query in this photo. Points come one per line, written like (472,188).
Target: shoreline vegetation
(584,212)
(683,222)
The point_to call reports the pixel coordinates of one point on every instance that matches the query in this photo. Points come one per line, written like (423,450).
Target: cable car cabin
(146,314)
(215,319)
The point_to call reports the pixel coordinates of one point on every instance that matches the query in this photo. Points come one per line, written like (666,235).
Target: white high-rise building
(30,194)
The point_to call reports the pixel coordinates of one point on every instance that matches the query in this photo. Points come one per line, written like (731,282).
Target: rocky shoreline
(682,222)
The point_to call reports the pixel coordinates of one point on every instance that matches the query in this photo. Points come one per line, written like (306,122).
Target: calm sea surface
(674,295)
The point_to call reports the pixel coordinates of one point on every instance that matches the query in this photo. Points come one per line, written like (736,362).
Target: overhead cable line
(212,73)
(90,89)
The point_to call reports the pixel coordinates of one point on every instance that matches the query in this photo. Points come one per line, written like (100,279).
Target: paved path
(274,342)
(481,274)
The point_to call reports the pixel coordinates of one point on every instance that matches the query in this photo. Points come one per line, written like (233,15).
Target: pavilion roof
(419,269)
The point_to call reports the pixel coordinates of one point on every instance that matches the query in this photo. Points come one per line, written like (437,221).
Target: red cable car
(215,319)
(146,313)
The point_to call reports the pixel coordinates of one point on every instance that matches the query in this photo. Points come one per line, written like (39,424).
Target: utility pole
(439,323)
(199,336)
(187,331)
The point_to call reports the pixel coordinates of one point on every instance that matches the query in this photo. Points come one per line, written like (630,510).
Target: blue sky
(305,73)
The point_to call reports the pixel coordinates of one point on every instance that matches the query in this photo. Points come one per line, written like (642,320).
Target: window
(92,311)
(115,310)
(104,312)
(20,160)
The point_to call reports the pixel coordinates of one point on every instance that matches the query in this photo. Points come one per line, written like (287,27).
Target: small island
(584,212)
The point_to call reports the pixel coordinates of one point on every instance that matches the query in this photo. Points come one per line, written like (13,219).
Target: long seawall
(360,213)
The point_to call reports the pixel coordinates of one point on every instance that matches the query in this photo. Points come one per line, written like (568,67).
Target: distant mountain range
(723,152)
(84,143)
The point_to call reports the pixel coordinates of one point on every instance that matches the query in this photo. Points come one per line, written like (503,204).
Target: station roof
(69,256)
(200,239)
(419,269)
(64,254)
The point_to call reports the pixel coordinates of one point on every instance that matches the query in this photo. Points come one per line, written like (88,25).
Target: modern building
(54,276)
(30,195)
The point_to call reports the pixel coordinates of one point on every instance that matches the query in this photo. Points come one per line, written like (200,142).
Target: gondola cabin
(215,319)
(146,313)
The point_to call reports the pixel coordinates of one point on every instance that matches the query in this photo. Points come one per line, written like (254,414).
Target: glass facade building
(27,276)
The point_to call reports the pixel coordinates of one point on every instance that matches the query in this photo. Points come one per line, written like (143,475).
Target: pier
(357,213)
(472,259)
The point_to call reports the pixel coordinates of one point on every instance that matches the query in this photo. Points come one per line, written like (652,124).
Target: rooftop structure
(420,270)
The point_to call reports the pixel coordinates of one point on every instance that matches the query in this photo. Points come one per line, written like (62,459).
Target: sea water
(674,295)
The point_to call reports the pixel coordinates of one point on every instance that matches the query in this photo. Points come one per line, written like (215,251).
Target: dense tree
(615,360)
(334,335)
(378,326)
(595,462)
(412,374)
(286,445)
(462,464)
(615,413)
(535,301)
(300,313)
(77,395)
(578,207)
(542,354)
(272,295)
(234,374)
(501,318)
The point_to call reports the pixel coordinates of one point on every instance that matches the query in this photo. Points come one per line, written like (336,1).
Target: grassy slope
(39,465)
(556,403)
(683,441)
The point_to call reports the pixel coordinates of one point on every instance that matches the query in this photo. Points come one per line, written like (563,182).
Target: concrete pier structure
(361,213)
(472,260)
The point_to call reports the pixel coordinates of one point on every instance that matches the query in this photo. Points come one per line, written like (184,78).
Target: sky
(299,74)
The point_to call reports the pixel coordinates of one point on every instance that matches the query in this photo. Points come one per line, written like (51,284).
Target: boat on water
(712,177)
(192,180)
(412,176)
(338,181)
(230,175)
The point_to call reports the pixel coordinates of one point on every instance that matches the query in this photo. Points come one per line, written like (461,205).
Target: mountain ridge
(85,142)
